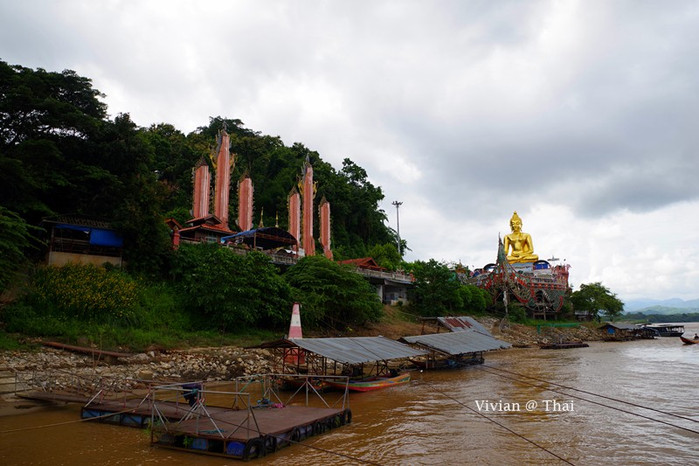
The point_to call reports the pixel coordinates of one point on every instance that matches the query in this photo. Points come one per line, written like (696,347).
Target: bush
(86,293)
(230,290)
(518,314)
(332,294)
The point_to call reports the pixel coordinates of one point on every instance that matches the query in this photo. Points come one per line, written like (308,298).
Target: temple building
(294,201)
(308,193)
(203,226)
(245,203)
(519,275)
(298,240)
(223,177)
(324,214)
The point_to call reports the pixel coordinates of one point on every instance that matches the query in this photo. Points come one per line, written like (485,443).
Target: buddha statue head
(515,222)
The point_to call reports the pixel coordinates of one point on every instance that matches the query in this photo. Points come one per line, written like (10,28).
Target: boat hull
(688,341)
(374,383)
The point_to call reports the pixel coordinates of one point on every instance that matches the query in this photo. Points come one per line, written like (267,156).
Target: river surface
(477,415)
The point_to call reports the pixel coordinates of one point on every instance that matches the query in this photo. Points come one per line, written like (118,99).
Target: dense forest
(60,154)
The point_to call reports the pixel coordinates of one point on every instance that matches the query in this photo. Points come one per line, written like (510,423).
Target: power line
(499,424)
(597,394)
(494,372)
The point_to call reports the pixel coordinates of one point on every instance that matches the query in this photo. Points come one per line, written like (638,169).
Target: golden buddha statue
(521,243)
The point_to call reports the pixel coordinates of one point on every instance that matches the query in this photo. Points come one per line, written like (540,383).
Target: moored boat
(667,330)
(564,345)
(371,383)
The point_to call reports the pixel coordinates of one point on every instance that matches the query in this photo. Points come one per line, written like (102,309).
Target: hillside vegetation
(61,154)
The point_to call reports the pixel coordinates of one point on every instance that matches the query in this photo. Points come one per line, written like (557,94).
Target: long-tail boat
(371,383)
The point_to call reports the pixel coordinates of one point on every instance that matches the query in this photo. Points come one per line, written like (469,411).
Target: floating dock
(249,422)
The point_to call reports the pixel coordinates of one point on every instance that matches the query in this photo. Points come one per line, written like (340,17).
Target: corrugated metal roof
(357,350)
(461,342)
(621,326)
(462,323)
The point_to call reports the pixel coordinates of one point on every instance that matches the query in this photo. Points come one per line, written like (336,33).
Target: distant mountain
(664,306)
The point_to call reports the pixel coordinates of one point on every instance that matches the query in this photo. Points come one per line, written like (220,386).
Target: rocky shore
(523,336)
(58,369)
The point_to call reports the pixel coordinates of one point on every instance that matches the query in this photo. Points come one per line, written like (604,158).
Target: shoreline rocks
(59,369)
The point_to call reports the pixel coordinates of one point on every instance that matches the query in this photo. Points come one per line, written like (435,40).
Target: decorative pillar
(324,214)
(223,177)
(308,193)
(245,203)
(295,216)
(202,186)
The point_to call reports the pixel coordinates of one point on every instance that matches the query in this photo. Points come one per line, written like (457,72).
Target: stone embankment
(530,336)
(56,369)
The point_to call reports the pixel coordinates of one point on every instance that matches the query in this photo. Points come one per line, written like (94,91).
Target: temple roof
(265,238)
(208,223)
(364,263)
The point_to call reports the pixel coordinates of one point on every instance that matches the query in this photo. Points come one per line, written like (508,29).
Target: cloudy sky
(583,116)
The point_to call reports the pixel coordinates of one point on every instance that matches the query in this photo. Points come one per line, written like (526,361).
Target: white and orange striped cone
(295,327)
(295,356)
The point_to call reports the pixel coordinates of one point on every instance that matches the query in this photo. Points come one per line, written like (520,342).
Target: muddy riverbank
(59,369)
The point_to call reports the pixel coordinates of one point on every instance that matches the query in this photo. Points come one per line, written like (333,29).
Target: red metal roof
(364,263)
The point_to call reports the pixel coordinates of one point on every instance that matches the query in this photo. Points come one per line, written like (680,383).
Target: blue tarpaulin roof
(111,238)
(98,236)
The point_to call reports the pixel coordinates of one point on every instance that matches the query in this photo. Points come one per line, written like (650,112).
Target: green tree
(138,208)
(386,255)
(596,298)
(332,295)
(227,290)
(47,123)
(174,156)
(15,237)
(474,298)
(437,290)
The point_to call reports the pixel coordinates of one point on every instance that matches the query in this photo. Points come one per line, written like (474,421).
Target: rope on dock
(463,405)
(494,371)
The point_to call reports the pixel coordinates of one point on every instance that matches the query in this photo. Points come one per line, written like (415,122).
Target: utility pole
(398,204)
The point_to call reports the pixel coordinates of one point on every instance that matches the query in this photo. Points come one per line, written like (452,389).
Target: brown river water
(477,415)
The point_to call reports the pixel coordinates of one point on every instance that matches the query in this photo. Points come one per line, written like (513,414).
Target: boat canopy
(455,343)
(357,350)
